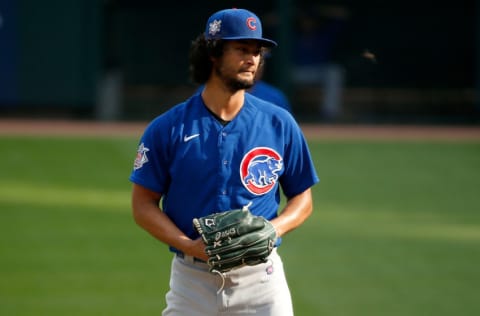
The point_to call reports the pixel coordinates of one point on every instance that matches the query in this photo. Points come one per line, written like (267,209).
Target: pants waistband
(181,255)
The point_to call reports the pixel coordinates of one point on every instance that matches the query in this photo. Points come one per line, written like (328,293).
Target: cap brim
(265,42)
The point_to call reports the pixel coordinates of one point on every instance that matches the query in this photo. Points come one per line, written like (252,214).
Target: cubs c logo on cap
(252,23)
(259,170)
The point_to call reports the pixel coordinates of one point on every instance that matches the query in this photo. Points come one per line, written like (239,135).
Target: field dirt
(312,131)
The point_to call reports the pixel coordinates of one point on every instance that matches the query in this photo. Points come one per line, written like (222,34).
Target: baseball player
(223,149)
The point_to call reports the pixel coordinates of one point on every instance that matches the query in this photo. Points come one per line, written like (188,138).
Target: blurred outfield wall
(50,53)
(68,58)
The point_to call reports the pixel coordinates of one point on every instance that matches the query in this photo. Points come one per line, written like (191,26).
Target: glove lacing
(222,276)
(246,207)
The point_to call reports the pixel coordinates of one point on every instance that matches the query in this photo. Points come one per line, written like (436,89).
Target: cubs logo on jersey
(259,170)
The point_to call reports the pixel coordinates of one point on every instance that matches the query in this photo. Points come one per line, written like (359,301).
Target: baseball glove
(234,238)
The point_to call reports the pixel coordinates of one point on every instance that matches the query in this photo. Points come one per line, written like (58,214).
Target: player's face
(239,63)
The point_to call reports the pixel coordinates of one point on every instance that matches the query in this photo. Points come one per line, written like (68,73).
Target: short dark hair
(201,52)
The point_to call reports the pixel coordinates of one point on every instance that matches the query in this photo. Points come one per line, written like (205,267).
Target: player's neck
(222,102)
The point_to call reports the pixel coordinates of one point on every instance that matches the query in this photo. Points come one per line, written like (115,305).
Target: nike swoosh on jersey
(188,138)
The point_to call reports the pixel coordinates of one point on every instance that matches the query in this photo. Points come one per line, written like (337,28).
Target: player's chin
(246,75)
(247,80)
(245,85)
(238,83)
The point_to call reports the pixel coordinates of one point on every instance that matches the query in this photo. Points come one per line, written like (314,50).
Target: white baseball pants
(260,290)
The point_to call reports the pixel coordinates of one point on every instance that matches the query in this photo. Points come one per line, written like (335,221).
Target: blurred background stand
(128,60)
(329,80)
(109,105)
(317,30)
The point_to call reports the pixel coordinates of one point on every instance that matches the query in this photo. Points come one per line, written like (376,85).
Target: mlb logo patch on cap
(236,24)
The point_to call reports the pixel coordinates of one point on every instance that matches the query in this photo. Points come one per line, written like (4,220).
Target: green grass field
(396,231)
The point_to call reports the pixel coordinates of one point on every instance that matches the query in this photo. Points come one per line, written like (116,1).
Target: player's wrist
(196,248)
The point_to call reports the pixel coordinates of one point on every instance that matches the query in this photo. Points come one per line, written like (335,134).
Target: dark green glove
(234,238)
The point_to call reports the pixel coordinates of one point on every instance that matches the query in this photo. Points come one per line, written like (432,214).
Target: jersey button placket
(223,163)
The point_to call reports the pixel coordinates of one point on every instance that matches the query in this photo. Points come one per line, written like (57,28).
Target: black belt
(182,255)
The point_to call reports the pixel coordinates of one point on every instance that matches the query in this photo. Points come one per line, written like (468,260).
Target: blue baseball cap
(236,24)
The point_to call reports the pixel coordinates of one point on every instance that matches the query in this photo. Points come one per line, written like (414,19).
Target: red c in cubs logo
(259,170)
(251,23)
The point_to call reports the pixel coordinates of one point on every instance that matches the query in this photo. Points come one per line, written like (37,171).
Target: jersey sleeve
(150,168)
(300,173)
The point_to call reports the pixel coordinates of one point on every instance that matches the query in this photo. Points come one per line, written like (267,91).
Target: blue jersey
(201,166)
